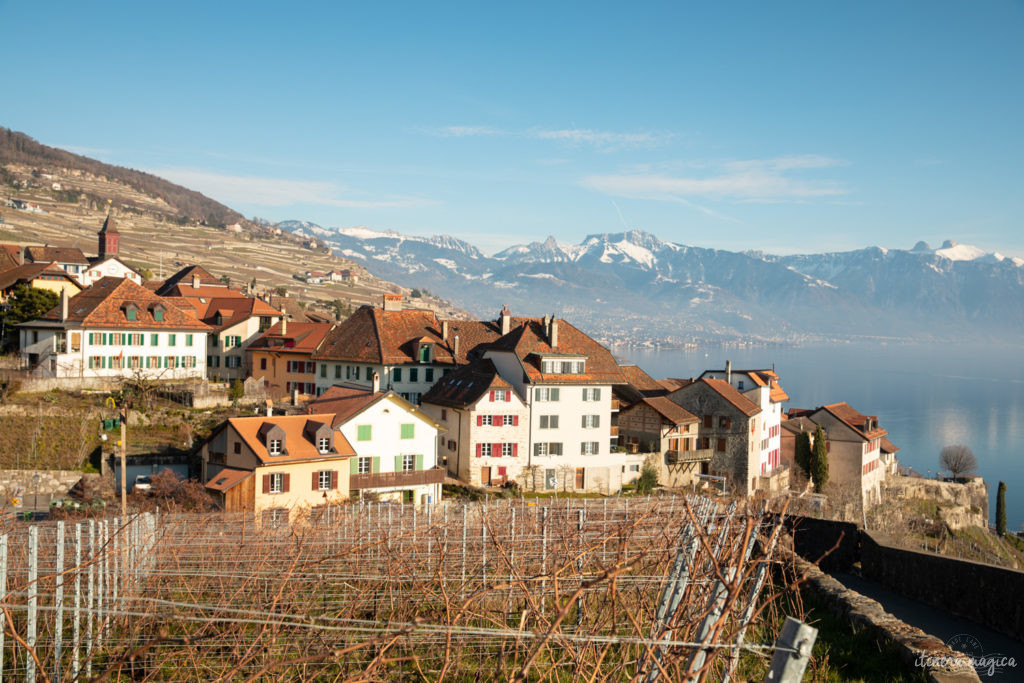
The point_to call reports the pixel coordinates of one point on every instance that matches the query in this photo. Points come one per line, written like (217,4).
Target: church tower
(109,236)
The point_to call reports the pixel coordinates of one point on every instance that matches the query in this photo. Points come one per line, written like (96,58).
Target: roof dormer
(131,311)
(273,438)
(425,350)
(320,435)
(157,310)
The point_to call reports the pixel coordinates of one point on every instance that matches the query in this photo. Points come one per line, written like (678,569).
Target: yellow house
(272,466)
(47,276)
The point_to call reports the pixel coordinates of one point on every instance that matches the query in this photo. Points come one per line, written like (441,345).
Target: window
(408,431)
(708,421)
(444,414)
(509,420)
(233,362)
(545,394)
(131,314)
(549,422)
(591,421)
(323,370)
(238,447)
(276,482)
(740,387)
(501,395)
(323,480)
(506,450)
(188,339)
(323,444)
(552,448)
(428,375)
(158,314)
(365,465)
(414,397)
(634,468)
(274,447)
(263,363)
(589,448)
(154,339)
(591,394)
(485,449)
(171,362)
(172,339)
(95,361)
(720,446)
(364,432)
(188,361)
(396,374)
(414,375)
(408,463)
(725,422)
(337,372)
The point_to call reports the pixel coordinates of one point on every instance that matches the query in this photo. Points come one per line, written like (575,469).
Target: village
(393,401)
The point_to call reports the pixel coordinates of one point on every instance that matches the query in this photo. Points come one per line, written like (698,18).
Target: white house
(487,422)
(115,328)
(395,444)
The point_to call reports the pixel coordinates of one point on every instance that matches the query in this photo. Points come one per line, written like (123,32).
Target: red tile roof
(184,278)
(726,391)
(343,402)
(465,386)
(672,412)
(31,271)
(10,256)
(228,478)
(223,313)
(642,382)
(855,420)
(529,341)
(298,447)
(301,338)
(103,305)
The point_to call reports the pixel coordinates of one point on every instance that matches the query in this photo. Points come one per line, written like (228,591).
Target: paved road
(942,625)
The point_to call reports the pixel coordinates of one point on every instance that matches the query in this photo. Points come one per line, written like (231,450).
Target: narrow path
(943,625)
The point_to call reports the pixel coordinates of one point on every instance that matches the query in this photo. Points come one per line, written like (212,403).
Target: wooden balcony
(616,405)
(382,480)
(680,457)
(615,430)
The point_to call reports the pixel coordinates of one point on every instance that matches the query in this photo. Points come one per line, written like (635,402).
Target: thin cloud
(85,151)
(601,139)
(279,192)
(756,180)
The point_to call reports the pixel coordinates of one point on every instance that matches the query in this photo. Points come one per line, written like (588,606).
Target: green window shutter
(90,362)
(90,340)
(408,431)
(398,463)
(554,394)
(364,432)
(419,461)
(188,340)
(597,394)
(353,465)
(376,464)
(147,362)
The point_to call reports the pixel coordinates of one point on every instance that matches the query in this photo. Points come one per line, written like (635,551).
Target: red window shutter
(316,480)
(285,488)
(479,420)
(496,450)
(479,450)
(266,483)
(492,396)
(515,450)
(515,420)
(334,479)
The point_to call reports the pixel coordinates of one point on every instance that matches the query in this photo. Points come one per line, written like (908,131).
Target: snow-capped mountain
(634,281)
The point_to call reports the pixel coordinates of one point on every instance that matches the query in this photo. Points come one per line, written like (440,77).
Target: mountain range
(633,285)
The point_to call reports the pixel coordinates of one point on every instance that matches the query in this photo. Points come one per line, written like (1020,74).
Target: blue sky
(786,127)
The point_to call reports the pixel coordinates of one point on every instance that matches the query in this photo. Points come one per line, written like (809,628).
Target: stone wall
(835,544)
(939,662)
(983,593)
(964,504)
(55,482)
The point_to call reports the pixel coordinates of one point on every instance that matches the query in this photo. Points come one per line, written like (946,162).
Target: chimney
(270,408)
(444,330)
(455,349)
(63,304)
(506,320)
(195,281)
(728,372)
(392,302)
(375,383)
(284,324)
(295,397)
(21,256)
(547,326)
(554,332)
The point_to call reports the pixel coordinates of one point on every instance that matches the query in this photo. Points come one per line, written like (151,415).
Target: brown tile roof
(760,378)
(223,313)
(297,445)
(58,254)
(888,446)
(798,424)
(528,340)
(30,271)
(726,391)
(672,412)
(301,338)
(10,256)
(110,225)
(642,382)
(184,278)
(855,420)
(228,478)
(103,305)
(671,384)
(201,292)
(465,386)
(343,402)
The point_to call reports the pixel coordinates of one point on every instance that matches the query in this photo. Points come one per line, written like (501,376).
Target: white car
(143,482)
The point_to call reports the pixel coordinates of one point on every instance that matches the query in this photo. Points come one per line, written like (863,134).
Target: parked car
(143,482)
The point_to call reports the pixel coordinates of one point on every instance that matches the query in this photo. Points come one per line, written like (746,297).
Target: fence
(571,589)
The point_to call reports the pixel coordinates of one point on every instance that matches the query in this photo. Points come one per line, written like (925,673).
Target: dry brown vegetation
(567,592)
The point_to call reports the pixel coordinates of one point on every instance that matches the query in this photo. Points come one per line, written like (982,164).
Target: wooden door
(579,478)
(485,476)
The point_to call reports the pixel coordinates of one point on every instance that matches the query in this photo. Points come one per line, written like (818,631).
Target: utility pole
(124,460)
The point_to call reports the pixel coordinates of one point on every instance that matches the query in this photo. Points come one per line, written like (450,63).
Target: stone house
(668,434)
(282,356)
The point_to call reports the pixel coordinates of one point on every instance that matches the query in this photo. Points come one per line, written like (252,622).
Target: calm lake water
(926,396)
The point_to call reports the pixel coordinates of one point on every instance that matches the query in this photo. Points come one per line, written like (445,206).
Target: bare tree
(958,459)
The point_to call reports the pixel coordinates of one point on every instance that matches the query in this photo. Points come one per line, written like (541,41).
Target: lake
(926,396)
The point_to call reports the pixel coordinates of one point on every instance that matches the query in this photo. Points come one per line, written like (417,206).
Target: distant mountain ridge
(18,148)
(633,283)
